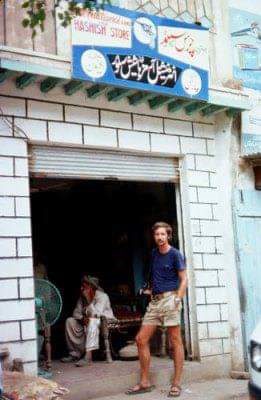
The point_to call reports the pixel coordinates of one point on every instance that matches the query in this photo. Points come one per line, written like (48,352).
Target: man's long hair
(161,224)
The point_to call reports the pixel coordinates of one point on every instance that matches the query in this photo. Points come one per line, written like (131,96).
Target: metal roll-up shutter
(56,161)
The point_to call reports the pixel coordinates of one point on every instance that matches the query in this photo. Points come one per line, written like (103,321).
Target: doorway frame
(184,234)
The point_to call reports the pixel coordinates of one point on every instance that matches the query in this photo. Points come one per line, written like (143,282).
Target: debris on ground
(24,387)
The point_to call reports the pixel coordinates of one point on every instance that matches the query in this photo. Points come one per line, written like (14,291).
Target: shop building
(171,157)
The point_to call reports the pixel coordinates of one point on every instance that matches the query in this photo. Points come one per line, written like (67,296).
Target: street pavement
(219,389)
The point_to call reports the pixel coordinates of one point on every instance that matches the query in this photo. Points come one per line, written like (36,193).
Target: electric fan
(48,304)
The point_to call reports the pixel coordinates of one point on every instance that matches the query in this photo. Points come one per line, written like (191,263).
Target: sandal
(141,390)
(175,391)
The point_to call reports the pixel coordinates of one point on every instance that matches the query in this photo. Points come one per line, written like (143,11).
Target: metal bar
(140,97)
(195,107)
(25,80)
(178,105)
(48,84)
(211,109)
(95,91)
(5,73)
(117,94)
(232,111)
(73,87)
(159,101)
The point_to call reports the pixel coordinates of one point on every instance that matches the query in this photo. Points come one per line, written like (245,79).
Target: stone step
(101,379)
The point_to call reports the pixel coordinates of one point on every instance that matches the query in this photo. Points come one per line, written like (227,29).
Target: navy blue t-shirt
(164,270)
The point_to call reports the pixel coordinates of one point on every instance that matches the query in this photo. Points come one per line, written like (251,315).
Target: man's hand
(85,320)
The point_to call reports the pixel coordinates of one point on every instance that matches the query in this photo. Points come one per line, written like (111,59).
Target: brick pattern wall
(77,124)
(17,323)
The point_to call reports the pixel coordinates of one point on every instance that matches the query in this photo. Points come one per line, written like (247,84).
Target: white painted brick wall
(17,310)
(215,261)
(206,278)
(12,106)
(25,350)
(174,127)
(210,347)
(13,147)
(12,268)
(7,208)
(192,145)
(220,245)
(8,289)
(21,167)
(15,227)
(202,331)
(222,278)
(216,295)
(224,312)
(201,296)
(28,329)
(22,206)
(198,178)
(82,115)
(165,144)
(34,129)
(6,166)
(208,313)
(197,261)
(203,244)
(65,132)
(207,195)
(5,130)
(211,228)
(14,186)
(206,163)
(200,211)
(96,136)
(7,247)
(204,131)
(211,147)
(134,140)
(146,123)
(226,345)
(190,161)
(116,119)
(195,227)
(26,288)
(218,329)
(43,110)
(193,197)
(24,247)
(9,331)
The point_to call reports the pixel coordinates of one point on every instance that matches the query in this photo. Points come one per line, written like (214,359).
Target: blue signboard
(134,50)
(246,43)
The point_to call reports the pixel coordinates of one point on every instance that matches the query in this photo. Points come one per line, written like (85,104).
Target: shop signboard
(132,50)
(245,29)
(251,131)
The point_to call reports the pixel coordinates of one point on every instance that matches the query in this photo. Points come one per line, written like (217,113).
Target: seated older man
(82,329)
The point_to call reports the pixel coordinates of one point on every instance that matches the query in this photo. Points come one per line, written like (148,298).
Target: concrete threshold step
(219,389)
(100,379)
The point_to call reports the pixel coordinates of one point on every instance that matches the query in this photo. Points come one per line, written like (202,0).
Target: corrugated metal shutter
(56,161)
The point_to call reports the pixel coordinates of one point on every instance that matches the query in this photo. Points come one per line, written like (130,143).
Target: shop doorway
(102,228)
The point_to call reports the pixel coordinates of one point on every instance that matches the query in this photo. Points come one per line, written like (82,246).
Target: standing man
(82,329)
(168,287)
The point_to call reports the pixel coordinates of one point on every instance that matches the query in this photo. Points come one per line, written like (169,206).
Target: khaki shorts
(163,312)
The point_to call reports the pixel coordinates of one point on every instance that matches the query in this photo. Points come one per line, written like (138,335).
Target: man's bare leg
(178,353)
(142,340)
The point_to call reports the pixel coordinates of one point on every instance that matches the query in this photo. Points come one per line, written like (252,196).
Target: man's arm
(98,305)
(183,283)
(78,311)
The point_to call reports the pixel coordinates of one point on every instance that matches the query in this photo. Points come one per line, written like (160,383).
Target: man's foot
(82,363)
(69,359)
(175,391)
(140,389)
